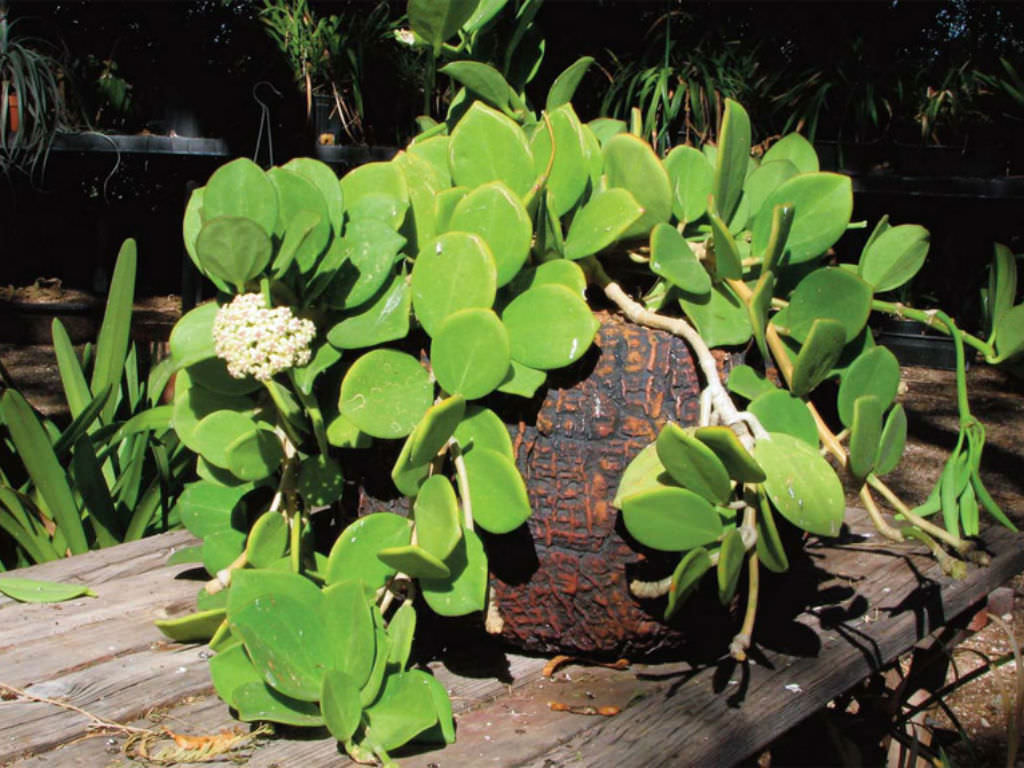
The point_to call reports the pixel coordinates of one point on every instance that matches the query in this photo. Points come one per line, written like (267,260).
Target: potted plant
(30,94)
(327,56)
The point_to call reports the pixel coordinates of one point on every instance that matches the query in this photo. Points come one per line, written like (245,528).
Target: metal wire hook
(264,121)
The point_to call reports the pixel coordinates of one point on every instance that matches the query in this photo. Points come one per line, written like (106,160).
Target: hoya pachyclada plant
(747,255)
(325,287)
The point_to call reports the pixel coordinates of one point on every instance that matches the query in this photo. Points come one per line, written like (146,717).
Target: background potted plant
(30,92)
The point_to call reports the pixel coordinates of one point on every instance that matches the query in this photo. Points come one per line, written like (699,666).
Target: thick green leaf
(764,180)
(230,669)
(241,188)
(686,578)
(368,253)
(672,259)
(255,455)
(1002,284)
(817,356)
(320,481)
(268,540)
(481,427)
(470,354)
(375,180)
(192,336)
(770,551)
(730,451)
(693,464)
(348,621)
(493,212)
(385,393)
(386,319)
(549,327)
(894,257)
(484,81)
(435,21)
(569,175)
(401,632)
(557,271)
(630,163)
(822,206)
(194,628)
(434,151)
(796,149)
(425,443)
(565,84)
(496,491)
(692,177)
(354,554)
(221,548)
(748,383)
(436,512)
(829,293)
(606,217)
(257,701)
(455,271)
(731,161)
(728,262)
(404,710)
(778,235)
(1009,336)
(671,519)
(781,411)
(522,380)
(35,591)
(248,584)
(234,249)
(758,308)
(730,564)
(206,508)
(644,473)
(892,442)
(720,317)
(218,430)
(305,238)
(286,643)
(865,435)
(875,372)
(801,484)
(488,146)
(339,702)
(465,591)
(321,176)
(415,561)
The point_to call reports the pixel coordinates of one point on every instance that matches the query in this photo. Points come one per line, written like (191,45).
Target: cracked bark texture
(562,582)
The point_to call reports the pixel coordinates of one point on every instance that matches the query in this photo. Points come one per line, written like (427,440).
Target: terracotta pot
(562,582)
(13,113)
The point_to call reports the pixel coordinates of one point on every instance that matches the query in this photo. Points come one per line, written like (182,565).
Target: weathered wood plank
(854,606)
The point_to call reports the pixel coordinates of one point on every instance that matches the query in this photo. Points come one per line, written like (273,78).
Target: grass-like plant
(30,97)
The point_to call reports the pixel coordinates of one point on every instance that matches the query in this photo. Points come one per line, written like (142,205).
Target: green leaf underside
(354,554)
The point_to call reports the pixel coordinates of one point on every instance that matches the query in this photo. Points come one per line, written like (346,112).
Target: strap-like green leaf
(112,343)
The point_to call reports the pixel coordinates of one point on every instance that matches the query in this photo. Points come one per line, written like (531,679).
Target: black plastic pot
(916,344)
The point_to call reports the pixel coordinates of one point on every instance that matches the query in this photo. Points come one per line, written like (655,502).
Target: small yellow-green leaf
(770,550)
(268,540)
(818,354)
(874,372)
(672,259)
(743,468)
(727,256)
(686,577)
(782,411)
(35,591)
(194,628)
(436,512)
(730,564)
(892,442)
(865,435)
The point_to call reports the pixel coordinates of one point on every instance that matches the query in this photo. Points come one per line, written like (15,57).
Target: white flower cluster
(255,340)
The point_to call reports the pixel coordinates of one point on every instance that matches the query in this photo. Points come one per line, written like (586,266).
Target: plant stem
(960,545)
(741,641)
(462,480)
(932,319)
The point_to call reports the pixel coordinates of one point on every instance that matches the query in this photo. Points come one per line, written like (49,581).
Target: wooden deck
(855,605)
